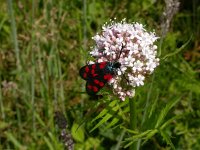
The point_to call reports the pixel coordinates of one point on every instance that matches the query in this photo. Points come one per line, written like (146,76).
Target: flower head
(133,47)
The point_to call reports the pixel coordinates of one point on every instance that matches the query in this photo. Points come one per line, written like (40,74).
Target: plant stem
(14,32)
(133,120)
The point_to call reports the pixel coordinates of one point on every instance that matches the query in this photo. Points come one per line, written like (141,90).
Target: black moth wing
(87,71)
(83,73)
(92,88)
(96,75)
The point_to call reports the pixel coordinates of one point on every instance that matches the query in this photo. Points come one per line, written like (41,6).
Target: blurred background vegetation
(44,43)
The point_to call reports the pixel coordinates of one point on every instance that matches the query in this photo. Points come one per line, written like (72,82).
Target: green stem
(14,32)
(133,120)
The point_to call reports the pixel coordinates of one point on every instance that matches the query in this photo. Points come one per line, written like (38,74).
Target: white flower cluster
(132,46)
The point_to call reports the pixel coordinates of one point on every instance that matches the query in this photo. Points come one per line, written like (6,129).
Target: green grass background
(44,43)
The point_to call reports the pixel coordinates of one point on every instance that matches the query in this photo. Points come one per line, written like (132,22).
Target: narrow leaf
(169,121)
(165,111)
(105,119)
(153,106)
(112,110)
(112,123)
(140,135)
(49,143)
(104,111)
(167,139)
(14,141)
(150,134)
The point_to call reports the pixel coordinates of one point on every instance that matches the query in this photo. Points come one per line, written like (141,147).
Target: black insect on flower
(124,55)
(98,74)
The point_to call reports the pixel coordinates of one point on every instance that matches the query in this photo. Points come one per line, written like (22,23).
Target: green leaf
(146,134)
(167,139)
(90,143)
(105,118)
(140,135)
(112,123)
(77,132)
(104,111)
(150,134)
(16,143)
(54,141)
(120,115)
(165,111)
(112,110)
(106,114)
(169,121)
(129,130)
(39,119)
(49,143)
(153,107)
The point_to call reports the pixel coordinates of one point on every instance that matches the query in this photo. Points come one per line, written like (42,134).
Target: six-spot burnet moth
(98,74)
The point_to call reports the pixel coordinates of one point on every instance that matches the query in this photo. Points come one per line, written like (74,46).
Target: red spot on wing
(92,89)
(101,84)
(108,77)
(85,75)
(94,75)
(95,89)
(87,69)
(102,65)
(93,66)
(96,81)
(92,71)
(89,87)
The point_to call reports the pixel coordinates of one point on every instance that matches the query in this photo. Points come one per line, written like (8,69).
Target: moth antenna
(121,51)
(123,64)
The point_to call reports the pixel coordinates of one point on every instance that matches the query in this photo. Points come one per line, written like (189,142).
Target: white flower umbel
(132,46)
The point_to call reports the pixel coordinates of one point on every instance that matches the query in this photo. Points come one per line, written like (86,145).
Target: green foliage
(113,111)
(77,133)
(44,43)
